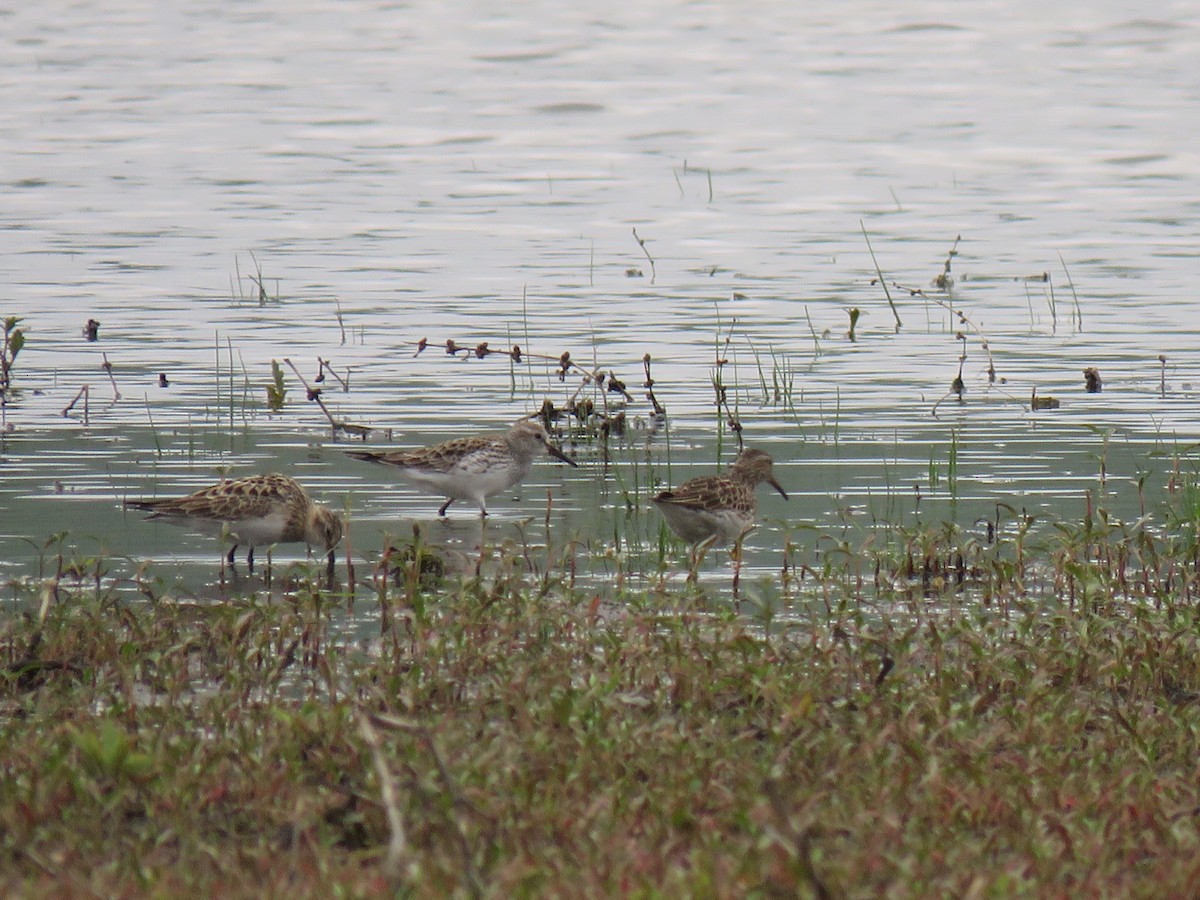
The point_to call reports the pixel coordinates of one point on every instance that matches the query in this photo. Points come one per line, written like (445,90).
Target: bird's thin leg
(736,553)
(232,550)
(445,506)
(250,560)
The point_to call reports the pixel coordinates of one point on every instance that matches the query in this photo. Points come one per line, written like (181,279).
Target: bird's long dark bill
(558,454)
(775,484)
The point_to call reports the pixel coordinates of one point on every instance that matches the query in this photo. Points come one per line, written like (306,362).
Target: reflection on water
(222,188)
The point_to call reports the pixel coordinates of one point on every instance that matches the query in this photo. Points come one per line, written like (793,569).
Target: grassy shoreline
(510,735)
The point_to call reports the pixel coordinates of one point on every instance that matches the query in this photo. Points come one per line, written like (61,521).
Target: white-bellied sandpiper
(719,509)
(254,511)
(471,468)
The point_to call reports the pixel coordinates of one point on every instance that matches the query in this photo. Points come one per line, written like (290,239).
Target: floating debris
(1038,403)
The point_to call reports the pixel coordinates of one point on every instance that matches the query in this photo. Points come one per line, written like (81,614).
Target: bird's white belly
(694,525)
(466,483)
(253,532)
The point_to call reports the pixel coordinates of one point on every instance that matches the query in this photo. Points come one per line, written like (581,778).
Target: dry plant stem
(340,321)
(107,367)
(735,424)
(315,395)
(722,391)
(878,272)
(1074,295)
(589,378)
(257,278)
(565,362)
(649,258)
(397,841)
(957,387)
(736,556)
(83,392)
(649,386)
(944,281)
(962,318)
(323,366)
(237,271)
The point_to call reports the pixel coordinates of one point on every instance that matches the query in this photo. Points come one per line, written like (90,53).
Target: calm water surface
(475,172)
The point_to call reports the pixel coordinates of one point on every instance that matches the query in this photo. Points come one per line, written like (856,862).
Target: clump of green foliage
(276,390)
(939,718)
(14,340)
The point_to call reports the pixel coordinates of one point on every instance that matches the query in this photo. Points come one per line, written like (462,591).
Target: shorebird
(256,510)
(719,509)
(471,468)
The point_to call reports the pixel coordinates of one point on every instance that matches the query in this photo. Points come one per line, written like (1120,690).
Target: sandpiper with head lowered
(471,468)
(719,509)
(255,511)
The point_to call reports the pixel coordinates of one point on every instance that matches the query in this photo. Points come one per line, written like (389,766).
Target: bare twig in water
(323,366)
(720,389)
(649,386)
(957,386)
(813,331)
(963,320)
(945,281)
(257,278)
(566,363)
(879,272)
(107,367)
(314,394)
(649,258)
(1074,296)
(83,392)
(341,324)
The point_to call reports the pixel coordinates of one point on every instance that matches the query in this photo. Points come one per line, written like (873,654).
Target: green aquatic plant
(276,390)
(886,720)
(14,340)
